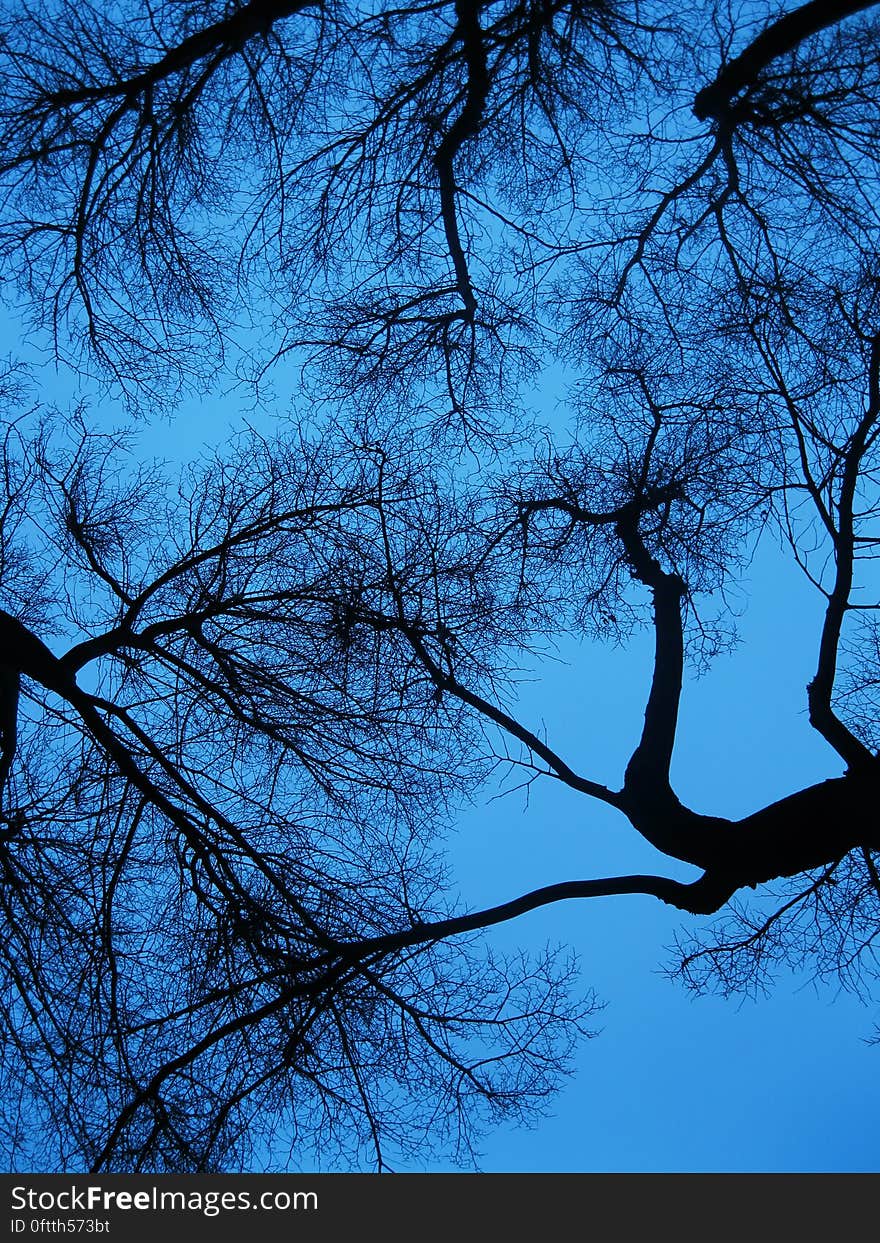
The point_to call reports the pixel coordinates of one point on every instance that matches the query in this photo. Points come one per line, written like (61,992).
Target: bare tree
(237,716)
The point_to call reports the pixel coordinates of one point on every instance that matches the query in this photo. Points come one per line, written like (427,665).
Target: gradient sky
(672,1082)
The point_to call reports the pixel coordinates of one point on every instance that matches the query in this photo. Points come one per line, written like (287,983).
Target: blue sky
(672,1082)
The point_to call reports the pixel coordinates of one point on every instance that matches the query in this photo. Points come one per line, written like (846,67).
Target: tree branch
(784,35)
(465,127)
(703,896)
(819,692)
(225,37)
(647,773)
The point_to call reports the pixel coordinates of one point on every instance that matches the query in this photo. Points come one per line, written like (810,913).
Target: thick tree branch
(820,691)
(808,829)
(24,652)
(465,127)
(700,897)
(647,774)
(9,691)
(715,100)
(224,38)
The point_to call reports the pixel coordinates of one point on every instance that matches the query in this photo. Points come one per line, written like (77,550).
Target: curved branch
(819,693)
(703,896)
(647,773)
(465,127)
(224,38)
(784,35)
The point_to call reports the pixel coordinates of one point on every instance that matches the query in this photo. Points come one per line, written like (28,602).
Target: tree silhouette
(239,710)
